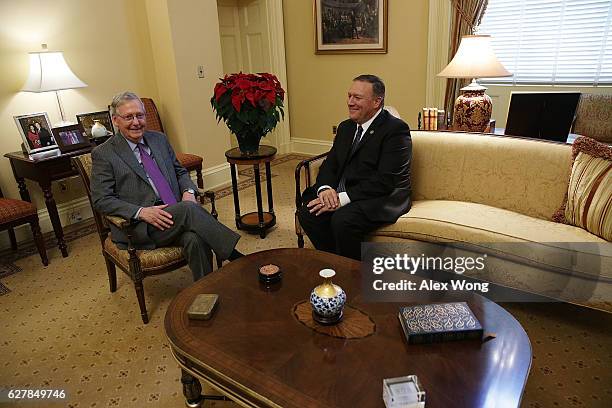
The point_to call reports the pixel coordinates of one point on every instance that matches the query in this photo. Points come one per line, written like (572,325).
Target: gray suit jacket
(119,184)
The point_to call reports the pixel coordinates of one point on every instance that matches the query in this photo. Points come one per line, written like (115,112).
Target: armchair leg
(13,239)
(300,241)
(219,262)
(38,240)
(141,301)
(112,274)
(211,196)
(200,180)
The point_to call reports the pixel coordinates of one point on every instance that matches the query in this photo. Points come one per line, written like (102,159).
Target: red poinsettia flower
(255,104)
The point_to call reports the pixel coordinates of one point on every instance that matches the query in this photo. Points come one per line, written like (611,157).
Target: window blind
(551,41)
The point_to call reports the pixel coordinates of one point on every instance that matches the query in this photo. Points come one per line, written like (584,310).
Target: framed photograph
(87,120)
(35,130)
(70,138)
(350,26)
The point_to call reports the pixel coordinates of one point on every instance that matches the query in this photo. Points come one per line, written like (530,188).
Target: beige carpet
(62,328)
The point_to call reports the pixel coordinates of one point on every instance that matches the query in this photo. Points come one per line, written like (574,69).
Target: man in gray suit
(136,176)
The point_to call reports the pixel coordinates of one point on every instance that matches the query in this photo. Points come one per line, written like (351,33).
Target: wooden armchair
(305,175)
(137,264)
(18,212)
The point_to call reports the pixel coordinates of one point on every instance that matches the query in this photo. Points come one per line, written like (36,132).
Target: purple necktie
(158,179)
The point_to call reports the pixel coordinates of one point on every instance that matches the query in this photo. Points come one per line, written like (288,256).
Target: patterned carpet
(62,328)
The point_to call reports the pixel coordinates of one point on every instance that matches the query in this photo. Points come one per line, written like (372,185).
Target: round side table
(261,220)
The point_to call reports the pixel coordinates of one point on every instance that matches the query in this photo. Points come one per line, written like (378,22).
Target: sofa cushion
(505,233)
(527,176)
(589,196)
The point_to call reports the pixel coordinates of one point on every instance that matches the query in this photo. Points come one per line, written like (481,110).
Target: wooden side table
(44,171)
(261,220)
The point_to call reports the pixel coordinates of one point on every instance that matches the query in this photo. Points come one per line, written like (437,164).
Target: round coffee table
(254,350)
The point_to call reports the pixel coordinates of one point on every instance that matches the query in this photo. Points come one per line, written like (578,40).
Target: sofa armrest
(303,167)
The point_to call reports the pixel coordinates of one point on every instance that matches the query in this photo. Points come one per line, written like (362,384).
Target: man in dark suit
(136,176)
(364,181)
(43,135)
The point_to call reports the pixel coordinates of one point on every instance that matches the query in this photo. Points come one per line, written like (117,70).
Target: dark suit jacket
(378,173)
(119,184)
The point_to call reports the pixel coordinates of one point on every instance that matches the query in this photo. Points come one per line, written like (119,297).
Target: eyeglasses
(129,118)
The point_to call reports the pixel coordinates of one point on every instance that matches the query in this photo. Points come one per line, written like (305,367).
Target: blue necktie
(341,184)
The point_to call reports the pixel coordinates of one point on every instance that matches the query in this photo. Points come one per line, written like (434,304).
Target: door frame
(274,9)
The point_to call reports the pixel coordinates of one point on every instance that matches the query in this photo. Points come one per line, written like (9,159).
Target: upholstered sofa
(484,194)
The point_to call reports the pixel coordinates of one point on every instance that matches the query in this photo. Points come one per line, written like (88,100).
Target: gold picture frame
(350,27)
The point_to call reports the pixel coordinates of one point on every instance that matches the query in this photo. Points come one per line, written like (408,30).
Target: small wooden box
(203,306)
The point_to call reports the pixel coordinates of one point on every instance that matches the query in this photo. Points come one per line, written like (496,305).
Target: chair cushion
(150,260)
(11,210)
(589,195)
(501,231)
(189,161)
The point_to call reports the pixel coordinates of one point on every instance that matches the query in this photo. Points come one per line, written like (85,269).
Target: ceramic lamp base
(327,321)
(472,110)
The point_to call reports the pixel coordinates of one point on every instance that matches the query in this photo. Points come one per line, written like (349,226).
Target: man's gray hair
(122,98)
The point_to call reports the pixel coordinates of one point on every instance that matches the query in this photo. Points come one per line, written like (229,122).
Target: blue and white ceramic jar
(327,299)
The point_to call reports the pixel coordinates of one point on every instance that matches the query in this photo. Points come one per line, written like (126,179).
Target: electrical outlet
(200,71)
(75,216)
(334,130)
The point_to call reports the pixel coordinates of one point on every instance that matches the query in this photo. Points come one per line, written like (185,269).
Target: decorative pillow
(588,202)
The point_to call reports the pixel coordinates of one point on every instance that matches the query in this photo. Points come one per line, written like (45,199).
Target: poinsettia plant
(251,105)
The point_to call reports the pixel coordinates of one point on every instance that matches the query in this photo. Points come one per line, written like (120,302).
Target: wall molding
(310,146)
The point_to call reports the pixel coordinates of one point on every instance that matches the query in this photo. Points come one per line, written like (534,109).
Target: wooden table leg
(260,217)
(269,188)
(235,191)
(54,217)
(192,390)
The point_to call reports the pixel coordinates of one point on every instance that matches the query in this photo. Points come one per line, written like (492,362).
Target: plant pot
(248,144)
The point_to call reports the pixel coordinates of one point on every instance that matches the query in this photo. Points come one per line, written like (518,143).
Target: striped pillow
(589,195)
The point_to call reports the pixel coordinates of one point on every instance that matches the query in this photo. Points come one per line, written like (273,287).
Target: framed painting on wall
(350,26)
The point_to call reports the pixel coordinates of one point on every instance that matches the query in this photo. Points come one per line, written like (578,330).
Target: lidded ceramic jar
(98,129)
(327,299)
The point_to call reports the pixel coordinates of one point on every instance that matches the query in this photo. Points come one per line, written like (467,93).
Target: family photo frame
(350,26)
(87,121)
(36,132)
(70,138)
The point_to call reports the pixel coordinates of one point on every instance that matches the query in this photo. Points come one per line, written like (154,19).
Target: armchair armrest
(304,166)
(118,222)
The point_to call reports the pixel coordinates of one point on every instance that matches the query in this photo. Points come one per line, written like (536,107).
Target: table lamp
(50,72)
(474,59)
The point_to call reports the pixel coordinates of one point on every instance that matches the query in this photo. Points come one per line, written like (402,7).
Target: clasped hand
(327,201)
(156,216)
(159,218)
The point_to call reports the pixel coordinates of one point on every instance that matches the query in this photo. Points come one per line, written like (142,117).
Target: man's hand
(156,216)
(318,207)
(329,197)
(187,196)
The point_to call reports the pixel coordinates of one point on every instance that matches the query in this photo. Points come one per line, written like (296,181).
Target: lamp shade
(49,72)
(474,59)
